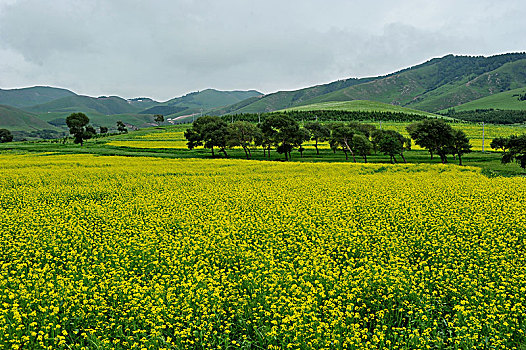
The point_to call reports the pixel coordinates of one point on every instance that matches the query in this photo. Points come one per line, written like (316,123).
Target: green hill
(32,96)
(434,85)
(15,119)
(359,105)
(85,104)
(507,100)
(201,101)
(284,99)
(58,119)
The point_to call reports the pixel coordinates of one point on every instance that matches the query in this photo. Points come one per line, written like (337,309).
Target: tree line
(327,115)
(494,116)
(282,133)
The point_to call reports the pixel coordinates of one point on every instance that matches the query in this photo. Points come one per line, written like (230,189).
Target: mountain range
(449,82)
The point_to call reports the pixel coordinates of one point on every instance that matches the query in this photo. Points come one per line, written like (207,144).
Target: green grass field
(502,100)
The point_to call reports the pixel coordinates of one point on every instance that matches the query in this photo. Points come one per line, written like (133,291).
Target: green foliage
(329,115)
(158,118)
(391,143)
(360,106)
(244,134)
(103,129)
(282,131)
(210,132)
(434,135)
(79,128)
(514,149)
(121,127)
(342,136)
(460,144)
(494,116)
(318,133)
(362,146)
(5,136)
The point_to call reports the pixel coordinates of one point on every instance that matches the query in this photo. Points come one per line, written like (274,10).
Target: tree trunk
(346,156)
(350,151)
(301,154)
(431,153)
(403,158)
(459,159)
(249,153)
(224,152)
(317,150)
(365,158)
(286,156)
(246,153)
(213,155)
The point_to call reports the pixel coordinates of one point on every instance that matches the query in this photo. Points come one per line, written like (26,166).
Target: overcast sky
(162,49)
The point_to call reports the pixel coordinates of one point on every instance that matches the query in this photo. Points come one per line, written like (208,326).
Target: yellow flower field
(146,253)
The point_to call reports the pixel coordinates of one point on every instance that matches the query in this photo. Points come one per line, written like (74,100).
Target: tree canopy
(79,128)
(5,136)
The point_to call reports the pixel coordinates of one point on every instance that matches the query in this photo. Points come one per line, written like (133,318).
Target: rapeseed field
(145,253)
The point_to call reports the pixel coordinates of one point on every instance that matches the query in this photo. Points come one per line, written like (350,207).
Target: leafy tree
(121,127)
(281,130)
(499,143)
(319,133)
(435,135)
(515,149)
(158,118)
(365,129)
(78,127)
(362,146)
(209,131)
(460,144)
(302,135)
(391,143)
(103,130)
(5,136)
(242,133)
(342,135)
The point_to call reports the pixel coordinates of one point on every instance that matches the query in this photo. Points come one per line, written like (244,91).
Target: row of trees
(78,124)
(283,132)
(494,116)
(438,137)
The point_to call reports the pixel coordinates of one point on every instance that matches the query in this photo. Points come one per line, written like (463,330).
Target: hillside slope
(285,99)
(32,96)
(15,119)
(201,101)
(507,100)
(86,104)
(431,86)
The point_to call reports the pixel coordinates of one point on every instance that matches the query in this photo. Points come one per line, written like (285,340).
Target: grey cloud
(168,48)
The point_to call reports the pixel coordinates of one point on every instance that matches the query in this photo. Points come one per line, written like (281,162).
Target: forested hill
(431,86)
